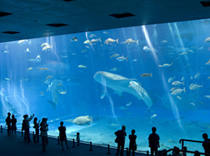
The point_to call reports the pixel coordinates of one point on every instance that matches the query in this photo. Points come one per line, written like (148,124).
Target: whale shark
(54,88)
(122,84)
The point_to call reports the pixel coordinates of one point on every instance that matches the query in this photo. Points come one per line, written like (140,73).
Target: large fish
(54,88)
(122,84)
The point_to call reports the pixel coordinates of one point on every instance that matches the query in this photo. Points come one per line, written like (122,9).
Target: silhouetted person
(47,130)
(8,123)
(44,129)
(120,140)
(62,135)
(176,151)
(27,127)
(154,141)
(197,153)
(14,127)
(36,127)
(23,126)
(206,144)
(132,144)
(78,138)
(184,151)
(163,153)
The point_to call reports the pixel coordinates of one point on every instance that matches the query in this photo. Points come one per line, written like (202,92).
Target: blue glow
(144,76)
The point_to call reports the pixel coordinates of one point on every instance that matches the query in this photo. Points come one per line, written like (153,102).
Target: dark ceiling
(24,19)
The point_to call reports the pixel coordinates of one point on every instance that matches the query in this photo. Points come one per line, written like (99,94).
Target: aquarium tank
(143,76)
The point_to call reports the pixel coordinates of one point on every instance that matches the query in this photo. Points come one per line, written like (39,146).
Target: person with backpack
(120,140)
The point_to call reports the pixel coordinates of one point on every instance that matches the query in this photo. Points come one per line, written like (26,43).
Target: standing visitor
(206,144)
(44,129)
(8,123)
(62,135)
(14,127)
(26,126)
(36,126)
(120,140)
(154,141)
(132,144)
(78,138)
(22,130)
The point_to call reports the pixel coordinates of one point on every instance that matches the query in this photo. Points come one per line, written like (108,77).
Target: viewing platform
(15,145)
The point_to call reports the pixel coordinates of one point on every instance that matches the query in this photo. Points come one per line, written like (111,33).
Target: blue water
(58,83)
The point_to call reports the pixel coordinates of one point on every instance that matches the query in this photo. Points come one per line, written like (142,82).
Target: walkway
(11,145)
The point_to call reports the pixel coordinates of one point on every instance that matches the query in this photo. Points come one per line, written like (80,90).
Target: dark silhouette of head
(13,116)
(44,120)
(164,152)
(25,116)
(61,123)
(205,135)
(35,119)
(133,131)
(123,127)
(197,153)
(154,129)
(8,113)
(176,150)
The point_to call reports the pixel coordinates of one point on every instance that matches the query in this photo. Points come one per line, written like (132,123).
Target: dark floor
(11,145)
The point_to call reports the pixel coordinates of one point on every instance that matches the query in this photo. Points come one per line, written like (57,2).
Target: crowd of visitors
(120,140)
(11,124)
(41,129)
(153,144)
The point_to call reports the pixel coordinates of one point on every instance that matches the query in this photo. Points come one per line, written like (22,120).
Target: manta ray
(122,84)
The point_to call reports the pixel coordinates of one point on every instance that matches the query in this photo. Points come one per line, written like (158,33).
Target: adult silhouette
(120,140)
(8,123)
(26,126)
(132,144)
(44,129)
(154,141)
(14,127)
(206,144)
(36,126)
(62,135)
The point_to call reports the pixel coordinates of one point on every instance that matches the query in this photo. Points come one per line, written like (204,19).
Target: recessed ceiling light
(2,14)
(205,3)
(56,24)
(68,0)
(122,15)
(10,32)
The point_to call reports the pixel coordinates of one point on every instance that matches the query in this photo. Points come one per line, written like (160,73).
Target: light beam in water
(86,35)
(110,101)
(173,105)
